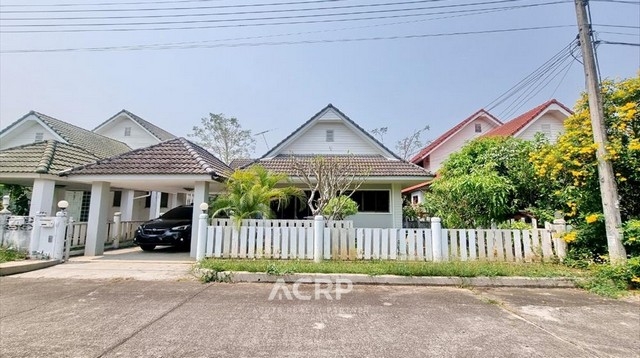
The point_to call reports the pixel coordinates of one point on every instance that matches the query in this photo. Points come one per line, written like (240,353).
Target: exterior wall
(25,133)
(313,141)
(392,219)
(375,220)
(553,119)
(139,137)
(419,194)
(455,142)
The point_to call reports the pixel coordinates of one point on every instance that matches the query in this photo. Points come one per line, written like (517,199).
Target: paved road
(128,318)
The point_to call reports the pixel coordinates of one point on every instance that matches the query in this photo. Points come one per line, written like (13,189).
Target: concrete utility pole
(608,187)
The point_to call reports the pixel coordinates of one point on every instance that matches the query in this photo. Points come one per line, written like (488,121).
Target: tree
(379,133)
(339,207)
(328,177)
(489,179)
(18,198)
(250,192)
(224,137)
(409,145)
(570,165)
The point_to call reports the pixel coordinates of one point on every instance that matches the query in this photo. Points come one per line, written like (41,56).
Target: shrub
(613,279)
(340,207)
(632,236)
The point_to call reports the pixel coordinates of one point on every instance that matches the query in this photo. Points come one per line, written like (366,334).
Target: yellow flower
(591,218)
(570,236)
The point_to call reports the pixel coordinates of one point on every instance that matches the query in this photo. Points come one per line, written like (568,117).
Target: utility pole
(608,187)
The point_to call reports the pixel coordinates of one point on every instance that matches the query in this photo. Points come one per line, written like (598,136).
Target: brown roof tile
(515,125)
(175,156)
(46,157)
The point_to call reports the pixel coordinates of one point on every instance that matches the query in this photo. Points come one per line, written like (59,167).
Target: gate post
(559,228)
(4,216)
(60,223)
(115,232)
(34,244)
(318,238)
(202,232)
(436,239)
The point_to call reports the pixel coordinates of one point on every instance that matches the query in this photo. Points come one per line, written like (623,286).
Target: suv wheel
(147,247)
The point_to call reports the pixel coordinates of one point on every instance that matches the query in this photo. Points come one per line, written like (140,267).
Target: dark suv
(173,228)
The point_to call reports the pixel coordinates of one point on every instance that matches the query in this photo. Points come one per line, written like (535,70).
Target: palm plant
(250,193)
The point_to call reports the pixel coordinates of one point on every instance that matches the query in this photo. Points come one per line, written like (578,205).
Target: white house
(132,130)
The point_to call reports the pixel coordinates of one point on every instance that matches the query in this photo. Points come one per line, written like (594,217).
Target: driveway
(130,318)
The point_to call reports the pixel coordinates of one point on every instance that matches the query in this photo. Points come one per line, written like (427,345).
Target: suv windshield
(179,213)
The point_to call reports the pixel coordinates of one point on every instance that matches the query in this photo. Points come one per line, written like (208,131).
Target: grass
(375,268)
(7,255)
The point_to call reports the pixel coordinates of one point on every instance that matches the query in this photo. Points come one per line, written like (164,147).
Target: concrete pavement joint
(134,333)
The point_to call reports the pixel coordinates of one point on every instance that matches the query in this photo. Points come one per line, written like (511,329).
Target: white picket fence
(77,232)
(435,244)
(342,224)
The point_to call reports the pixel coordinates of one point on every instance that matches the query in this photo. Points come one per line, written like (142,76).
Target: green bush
(340,207)
(632,237)
(514,225)
(613,279)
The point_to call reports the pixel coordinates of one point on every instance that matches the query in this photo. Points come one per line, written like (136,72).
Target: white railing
(344,224)
(77,232)
(384,244)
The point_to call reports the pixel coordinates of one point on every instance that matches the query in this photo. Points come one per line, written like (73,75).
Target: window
(127,131)
(414,199)
(164,200)
(372,201)
(39,137)
(84,207)
(329,135)
(117,198)
(478,128)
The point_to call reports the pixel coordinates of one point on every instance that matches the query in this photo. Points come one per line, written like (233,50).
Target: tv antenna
(264,137)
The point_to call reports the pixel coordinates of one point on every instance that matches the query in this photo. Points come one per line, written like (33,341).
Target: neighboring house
(547,118)
(132,130)
(330,133)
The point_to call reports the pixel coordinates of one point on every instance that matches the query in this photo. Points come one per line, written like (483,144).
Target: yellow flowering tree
(570,167)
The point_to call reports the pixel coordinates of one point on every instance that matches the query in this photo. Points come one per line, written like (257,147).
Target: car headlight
(181,227)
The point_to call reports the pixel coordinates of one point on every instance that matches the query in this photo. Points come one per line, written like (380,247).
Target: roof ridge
(146,124)
(47,157)
(191,150)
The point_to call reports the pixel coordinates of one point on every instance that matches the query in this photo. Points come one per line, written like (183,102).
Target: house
(132,130)
(332,134)
(547,119)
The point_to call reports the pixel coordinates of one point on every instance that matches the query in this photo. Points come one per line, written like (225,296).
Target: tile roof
(444,137)
(240,162)
(315,116)
(416,187)
(515,125)
(94,143)
(376,165)
(45,157)
(175,156)
(156,131)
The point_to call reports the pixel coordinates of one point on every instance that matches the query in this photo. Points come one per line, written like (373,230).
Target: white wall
(139,136)
(24,133)
(554,119)
(313,141)
(456,141)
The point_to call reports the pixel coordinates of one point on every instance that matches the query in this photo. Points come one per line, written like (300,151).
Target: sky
(275,77)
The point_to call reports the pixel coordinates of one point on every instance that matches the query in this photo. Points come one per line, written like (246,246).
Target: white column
(126,205)
(98,217)
(436,239)
(154,208)
(42,196)
(173,201)
(200,195)
(318,238)
(58,194)
(181,199)
(202,236)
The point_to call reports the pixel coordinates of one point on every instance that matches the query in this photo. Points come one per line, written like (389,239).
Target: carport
(177,166)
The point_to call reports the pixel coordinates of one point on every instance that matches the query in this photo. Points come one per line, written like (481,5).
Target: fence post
(60,223)
(436,239)
(4,216)
(559,228)
(34,243)
(318,238)
(202,236)
(115,232)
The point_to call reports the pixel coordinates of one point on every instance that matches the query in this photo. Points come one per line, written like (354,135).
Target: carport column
(200,195)
(126,205)
(173,201)
(58,194)
(42,196)
(181,199)
(98,217)
(436,239)
(154,209)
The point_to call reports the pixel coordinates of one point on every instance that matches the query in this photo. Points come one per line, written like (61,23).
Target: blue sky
(402,84)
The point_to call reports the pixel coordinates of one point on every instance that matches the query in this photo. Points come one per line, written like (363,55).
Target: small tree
(224,137)
(379,133)
(328,177)
(340,207)
(19,198)
(250,193)
(409,145)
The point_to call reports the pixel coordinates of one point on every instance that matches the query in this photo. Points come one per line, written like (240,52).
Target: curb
(361,279)
(15,267)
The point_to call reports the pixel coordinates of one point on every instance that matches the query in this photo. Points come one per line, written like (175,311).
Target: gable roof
(240,163)
(175,156)
(448,134)
(44,157)
(93,143)
(154,130)
(374,165)
(515,125)
(306,125)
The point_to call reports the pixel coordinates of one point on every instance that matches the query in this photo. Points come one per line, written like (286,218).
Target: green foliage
(413,211)
(7,255)
(19,202)
(488,179)
(250,192)
(515,225)
(632,236)
(613,279)
(224,137)
(340,207)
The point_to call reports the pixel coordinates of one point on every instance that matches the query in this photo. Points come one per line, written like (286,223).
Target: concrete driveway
(129,318)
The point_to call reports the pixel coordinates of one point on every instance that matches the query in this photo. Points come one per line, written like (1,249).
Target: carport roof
(176,156)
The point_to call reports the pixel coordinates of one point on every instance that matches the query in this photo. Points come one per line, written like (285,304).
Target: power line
(619,1)
(280,23)
(378,38)
(617,43)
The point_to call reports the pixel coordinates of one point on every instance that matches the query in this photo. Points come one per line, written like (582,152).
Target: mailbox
(46,222)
